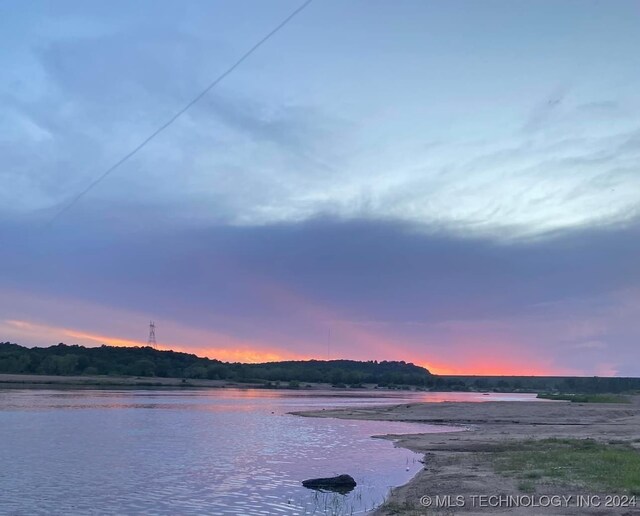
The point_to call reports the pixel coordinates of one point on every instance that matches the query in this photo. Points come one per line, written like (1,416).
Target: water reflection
(192,452)
(227,399)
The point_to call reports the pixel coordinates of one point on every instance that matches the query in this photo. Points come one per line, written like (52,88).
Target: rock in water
(340,484)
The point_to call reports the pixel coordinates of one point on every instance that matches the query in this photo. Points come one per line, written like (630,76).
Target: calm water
(196,452)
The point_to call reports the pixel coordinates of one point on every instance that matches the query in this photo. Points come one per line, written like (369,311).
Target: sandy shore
(460,463)
(44,381)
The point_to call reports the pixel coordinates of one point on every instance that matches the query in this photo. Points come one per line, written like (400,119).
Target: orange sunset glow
(237,351)
(234,352)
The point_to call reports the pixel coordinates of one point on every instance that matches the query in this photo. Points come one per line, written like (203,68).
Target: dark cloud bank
(365,271)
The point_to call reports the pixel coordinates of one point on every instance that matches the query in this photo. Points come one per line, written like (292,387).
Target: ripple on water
(190,452)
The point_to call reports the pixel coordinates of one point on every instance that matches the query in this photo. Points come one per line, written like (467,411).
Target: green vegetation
(585,398)
(64,360)
(548,384)
(526,486)
(583,463)
(149,362)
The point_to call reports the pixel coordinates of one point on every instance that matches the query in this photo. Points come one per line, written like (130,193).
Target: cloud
(384,290)
(244,159)
(327,184)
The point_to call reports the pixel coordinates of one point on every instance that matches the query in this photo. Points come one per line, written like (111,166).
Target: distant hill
(148,362)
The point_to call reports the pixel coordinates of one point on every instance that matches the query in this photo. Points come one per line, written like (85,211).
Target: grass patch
(580,462)
(526,486)
(585,398)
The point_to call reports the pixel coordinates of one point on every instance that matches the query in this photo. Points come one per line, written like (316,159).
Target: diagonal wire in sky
(177,115)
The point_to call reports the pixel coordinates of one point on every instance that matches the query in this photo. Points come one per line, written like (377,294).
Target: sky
(454,184)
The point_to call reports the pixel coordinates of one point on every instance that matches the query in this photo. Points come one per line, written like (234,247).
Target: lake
(215,452)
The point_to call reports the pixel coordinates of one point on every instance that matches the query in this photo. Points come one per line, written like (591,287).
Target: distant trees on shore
(148,362)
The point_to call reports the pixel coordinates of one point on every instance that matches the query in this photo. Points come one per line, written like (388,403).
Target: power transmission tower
(152,335)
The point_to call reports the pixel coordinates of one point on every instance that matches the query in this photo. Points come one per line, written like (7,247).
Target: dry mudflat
(460,468)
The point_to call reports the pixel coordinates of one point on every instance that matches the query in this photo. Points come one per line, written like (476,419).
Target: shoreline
(37,381)
(41,381)
(462,463)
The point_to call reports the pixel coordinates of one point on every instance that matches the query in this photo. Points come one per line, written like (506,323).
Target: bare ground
(45,381)
(461,463)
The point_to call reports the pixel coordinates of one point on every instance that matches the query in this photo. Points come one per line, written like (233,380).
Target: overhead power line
(177,115)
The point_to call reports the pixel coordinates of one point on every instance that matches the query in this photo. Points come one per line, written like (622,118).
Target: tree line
(145,361)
